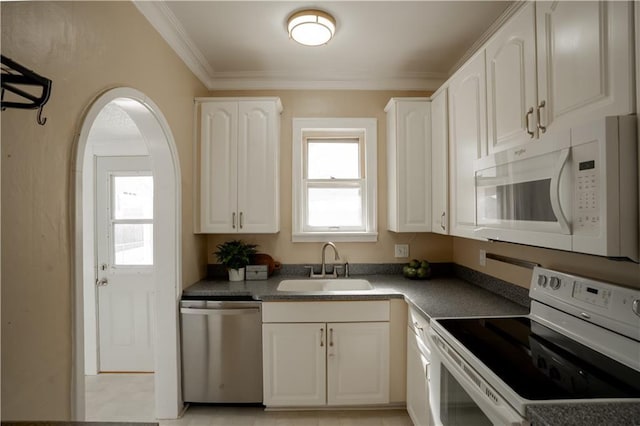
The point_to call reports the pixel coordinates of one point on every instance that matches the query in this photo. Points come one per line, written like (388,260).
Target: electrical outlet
(402,250)
(483,257)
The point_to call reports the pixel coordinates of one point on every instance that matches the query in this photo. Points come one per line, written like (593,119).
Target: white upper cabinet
(585,61)
(467,141)
(439,163)
(409,164)
(511,82)
(239,165)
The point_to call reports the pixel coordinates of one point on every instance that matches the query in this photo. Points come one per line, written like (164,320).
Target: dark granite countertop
(439,298)
(592,414)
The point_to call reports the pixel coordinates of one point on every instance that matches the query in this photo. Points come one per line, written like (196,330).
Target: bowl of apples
(417,270)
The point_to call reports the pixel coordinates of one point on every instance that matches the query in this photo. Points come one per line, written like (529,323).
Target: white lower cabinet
(309,364)
(294,364)
(417,383)
(358,363)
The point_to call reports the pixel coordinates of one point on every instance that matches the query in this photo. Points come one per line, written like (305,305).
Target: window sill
(344,237)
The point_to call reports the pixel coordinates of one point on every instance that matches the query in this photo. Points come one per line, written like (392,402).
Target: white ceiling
(413,45)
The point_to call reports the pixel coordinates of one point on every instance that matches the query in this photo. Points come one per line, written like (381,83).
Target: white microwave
(575,190)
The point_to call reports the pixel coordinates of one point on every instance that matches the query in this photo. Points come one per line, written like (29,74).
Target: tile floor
(129,397)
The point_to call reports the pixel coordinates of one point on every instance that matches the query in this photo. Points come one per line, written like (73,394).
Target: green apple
(424,264)
(415,263)
(411,273)
(422,272)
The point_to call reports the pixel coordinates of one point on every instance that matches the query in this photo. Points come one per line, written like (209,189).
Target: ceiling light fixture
(311,27)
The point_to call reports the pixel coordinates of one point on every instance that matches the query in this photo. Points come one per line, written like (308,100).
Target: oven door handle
(500,413)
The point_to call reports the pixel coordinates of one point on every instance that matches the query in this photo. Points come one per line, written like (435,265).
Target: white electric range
(580,342)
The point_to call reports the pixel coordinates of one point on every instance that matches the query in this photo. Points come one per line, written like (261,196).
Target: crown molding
(337,81)
(490,32)
(164,21)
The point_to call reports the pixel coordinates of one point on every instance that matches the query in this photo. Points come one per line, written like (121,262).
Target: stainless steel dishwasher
(221,351)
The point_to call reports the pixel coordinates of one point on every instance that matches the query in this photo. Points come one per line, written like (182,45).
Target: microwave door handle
(556,205)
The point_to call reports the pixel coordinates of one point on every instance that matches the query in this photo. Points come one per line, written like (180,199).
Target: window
(132,220)
(334,179)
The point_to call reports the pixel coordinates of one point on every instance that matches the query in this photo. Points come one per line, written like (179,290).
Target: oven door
(460,397)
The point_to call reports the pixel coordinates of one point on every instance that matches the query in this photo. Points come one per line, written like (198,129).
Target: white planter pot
(236,274)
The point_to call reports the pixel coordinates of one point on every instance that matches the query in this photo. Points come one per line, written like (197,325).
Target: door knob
(102,282)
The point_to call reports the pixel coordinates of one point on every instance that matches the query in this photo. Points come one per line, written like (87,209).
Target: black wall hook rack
(14,75)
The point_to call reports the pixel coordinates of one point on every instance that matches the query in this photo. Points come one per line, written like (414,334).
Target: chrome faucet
(323,271)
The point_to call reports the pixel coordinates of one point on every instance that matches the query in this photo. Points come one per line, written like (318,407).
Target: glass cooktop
(541,364)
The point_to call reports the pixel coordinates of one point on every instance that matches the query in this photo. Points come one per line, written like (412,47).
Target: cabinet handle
(321,337)
(331,337)
(241,220)
(233,220)
(442,221)
(526,120)
(541,105)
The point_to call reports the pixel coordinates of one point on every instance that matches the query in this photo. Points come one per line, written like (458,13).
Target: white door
(258,157)
(417,386)
(467,142)
(358,363)
(439,165)
(511,82)
(219,159)
(124,224)
(294,364)
(585,65)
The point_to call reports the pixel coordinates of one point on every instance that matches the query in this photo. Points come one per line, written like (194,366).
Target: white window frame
(334,127)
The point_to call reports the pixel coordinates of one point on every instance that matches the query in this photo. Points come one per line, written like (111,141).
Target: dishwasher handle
(213,312)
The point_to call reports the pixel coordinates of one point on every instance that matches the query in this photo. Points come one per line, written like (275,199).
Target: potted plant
(235,255)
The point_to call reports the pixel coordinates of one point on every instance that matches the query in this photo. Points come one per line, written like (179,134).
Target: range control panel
(608,305)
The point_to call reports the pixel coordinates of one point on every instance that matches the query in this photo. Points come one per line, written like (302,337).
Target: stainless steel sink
(329,284)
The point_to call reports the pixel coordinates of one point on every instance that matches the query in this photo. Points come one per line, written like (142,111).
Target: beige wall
(85,48)
(325,103)
(466,252)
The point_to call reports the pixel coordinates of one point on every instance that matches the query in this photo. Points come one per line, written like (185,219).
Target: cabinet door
(294,364)
(511,82)
(417,385)
(414,166)
(218,162)
(258,159)
(585,67)
(467,142)
(358,363)
(439,164)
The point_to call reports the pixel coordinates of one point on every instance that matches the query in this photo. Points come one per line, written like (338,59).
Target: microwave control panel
(586,190)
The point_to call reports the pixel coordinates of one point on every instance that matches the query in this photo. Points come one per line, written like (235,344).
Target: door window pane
(133,244)
(333,160)
(133,197)
(335,207)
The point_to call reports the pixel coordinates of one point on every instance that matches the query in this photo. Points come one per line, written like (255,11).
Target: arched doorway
(160,147)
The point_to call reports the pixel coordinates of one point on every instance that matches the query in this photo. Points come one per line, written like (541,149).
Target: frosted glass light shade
(311,27)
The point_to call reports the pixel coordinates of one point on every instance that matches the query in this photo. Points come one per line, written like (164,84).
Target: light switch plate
(402,250)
